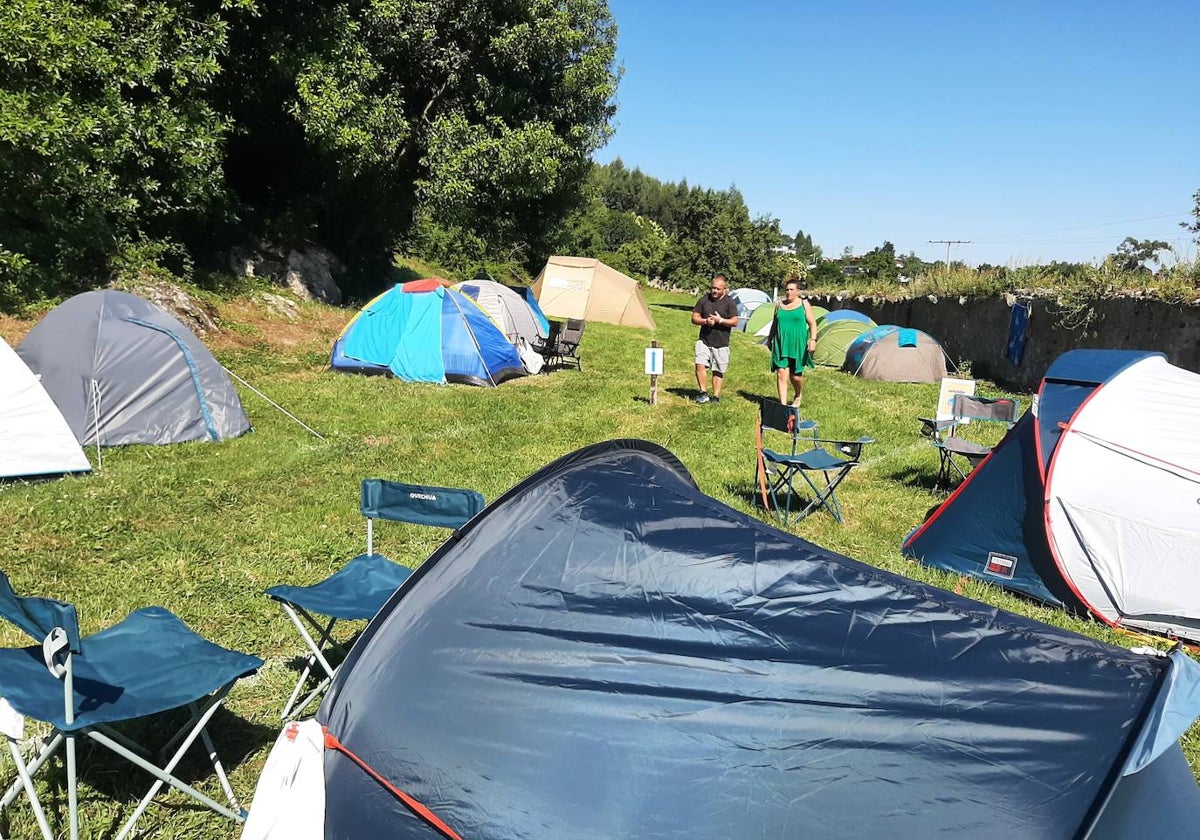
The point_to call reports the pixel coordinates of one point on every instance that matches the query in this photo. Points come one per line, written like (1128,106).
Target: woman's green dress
(789,340)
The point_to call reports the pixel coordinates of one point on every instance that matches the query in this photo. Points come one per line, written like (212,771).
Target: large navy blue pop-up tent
(1091,503)
(606,652)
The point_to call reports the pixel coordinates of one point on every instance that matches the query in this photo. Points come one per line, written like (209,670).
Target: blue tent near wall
(606,652)
(424,331)
(848,315)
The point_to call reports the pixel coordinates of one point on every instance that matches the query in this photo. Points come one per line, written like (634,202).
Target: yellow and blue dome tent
(424,331)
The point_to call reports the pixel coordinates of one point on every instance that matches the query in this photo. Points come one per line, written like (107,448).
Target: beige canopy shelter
(581,287)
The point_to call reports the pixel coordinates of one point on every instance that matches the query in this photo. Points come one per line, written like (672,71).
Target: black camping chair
(823,464)
(564,345)
(360,588)
(948,439)
(545,346)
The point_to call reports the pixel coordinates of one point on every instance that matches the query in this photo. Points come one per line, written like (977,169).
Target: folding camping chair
(147,664)
(564,349)
(948,437)
(359,589)
(822,465)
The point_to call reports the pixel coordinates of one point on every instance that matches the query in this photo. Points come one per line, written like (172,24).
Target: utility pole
(948,243)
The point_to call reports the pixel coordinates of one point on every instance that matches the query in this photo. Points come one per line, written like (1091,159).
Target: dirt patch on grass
(245,323)
(13,329)
(248,323)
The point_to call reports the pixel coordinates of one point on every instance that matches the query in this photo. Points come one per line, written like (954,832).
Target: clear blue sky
(1039,130)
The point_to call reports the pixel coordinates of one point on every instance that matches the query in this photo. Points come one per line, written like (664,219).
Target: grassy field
(203,528)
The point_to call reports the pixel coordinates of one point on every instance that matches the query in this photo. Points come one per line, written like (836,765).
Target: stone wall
(976,330)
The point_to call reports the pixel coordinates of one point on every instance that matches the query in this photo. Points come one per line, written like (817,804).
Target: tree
(808,252)
(1133,254)
(360,118)
(1194,227)
(881,262)
(107,135)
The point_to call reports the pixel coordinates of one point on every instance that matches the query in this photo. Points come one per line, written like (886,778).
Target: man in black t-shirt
(716,315)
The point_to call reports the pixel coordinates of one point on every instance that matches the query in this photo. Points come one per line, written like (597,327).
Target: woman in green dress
(793,340)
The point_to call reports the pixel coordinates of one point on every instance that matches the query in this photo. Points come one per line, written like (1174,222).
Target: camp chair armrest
(934,428)
(851,449)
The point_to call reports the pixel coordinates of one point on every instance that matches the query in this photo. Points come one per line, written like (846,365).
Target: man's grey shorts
(716,358)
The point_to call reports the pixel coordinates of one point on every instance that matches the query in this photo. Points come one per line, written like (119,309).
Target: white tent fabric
(1124,498)
(747,301)
(507,308)
(289,802)
(34,436)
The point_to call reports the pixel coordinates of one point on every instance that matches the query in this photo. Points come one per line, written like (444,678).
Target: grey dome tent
(122,370)
(606,652)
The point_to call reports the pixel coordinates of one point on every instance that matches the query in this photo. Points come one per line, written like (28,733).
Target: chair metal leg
(315,656)
(215,760)
(24,781)
(164,775)
(72,789)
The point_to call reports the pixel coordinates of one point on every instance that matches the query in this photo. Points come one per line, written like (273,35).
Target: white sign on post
(654,361)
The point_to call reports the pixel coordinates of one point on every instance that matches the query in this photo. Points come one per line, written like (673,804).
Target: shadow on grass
(747,492)
(681,307)
(117,780)
(756,399)
(912,476)
(402,274)
(686,393)
(752,495)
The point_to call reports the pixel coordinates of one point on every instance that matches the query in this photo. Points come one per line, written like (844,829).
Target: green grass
(202,529)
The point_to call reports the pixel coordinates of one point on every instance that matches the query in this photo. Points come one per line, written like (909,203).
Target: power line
(1084,227)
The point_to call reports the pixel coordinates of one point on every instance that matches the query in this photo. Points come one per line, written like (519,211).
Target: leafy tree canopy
(106,133)
(361,124)
(673,231)
(366,121)
(1133,254)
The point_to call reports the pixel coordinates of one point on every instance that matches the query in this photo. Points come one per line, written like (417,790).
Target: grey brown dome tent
(606,652)
(122,370)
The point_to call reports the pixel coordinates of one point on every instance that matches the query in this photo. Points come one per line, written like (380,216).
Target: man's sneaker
(702,399)
(715,400)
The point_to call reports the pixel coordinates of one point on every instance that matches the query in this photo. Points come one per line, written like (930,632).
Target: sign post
(654,369)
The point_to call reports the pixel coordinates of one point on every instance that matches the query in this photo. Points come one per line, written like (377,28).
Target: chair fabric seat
(967,448)
(149,663)
(355,592)
(814,459)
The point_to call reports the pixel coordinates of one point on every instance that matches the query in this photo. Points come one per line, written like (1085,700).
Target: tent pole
(475,341)
(96,421)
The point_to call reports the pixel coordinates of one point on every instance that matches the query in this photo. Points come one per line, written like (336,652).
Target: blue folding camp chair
(360,588)
(822,465)
(149,663)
